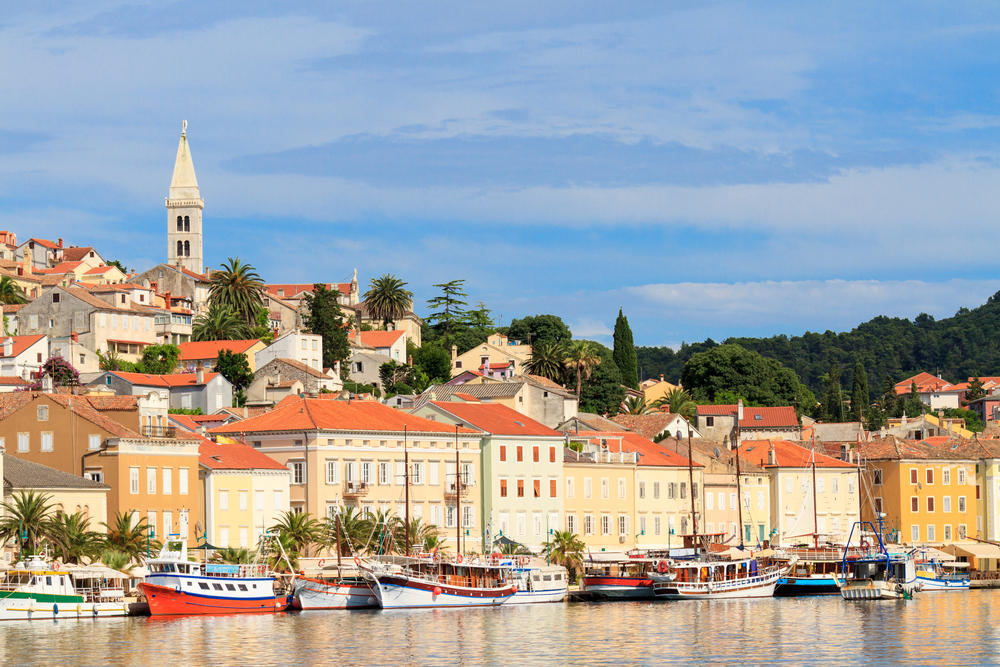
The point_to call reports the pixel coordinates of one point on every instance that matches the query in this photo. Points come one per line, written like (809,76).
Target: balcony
(158,431)
(450,490)
(355,489)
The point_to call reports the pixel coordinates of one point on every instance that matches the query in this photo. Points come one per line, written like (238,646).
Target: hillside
(957,347)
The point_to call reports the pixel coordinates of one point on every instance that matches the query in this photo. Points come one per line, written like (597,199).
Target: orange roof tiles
(76,254)
(173,380)
(20,343)
(13,381)
(209,349)
(786,455)
(45,243)
(925,383)
(379,338)
(496,419)
(234,457)
(291,289)
(296,413)
(650,453)
(777,417)
(99,269)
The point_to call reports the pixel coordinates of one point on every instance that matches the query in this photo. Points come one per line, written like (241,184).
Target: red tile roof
(60,268)
(172,380)
(296,413)
(777,417)
(497,419)
(499,366)
(82,407)
(13,380)
(291,289)
(21,343)
(650,453)
(185,422)
(76,254)
(99,269)
(234,457)
(786,455)
(379,338)
(209,349)
(465,397)
(45,243)
(925,383)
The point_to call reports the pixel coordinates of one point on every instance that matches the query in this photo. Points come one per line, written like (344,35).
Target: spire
(184,184)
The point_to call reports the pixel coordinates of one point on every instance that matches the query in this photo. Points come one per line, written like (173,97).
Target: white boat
(537,583)
(720,578)
(37,590)
(874,573)
(935,575)
(340,590)
(408,583)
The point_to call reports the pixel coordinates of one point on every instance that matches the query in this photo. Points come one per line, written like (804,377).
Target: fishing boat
(936,575)
(343,589)
(37,589)
(536,583)
(176,585)
(716,577)
(403,582)
(816,571)
(874,573)
(627,579)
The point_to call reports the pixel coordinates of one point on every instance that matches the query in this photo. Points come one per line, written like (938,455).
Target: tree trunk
(578,383)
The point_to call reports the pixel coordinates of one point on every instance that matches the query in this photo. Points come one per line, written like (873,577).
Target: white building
(302,347)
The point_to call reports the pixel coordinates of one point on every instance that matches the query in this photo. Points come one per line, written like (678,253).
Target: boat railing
(822,554)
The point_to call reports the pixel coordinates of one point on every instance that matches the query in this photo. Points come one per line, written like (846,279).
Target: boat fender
(55,609)
(458,558)
(437,591)
(321,563)
(177,588)
(94,608)
(662,567)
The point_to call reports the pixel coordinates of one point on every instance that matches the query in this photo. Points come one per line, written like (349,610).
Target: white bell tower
(184,207)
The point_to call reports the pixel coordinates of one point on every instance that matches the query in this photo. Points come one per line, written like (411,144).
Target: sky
(712,168)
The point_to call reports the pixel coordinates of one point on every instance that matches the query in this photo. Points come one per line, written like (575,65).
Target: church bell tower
(184,207)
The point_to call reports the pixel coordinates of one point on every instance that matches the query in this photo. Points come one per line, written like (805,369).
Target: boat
(536,583)
(37,589)
(937,575)
(874,573)
(721,576)
(176,585)
(625,579)
(405,582)
(339,590)
(815,573)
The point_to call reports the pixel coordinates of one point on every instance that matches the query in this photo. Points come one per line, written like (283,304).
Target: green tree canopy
(234,367)
(447,311)
(601,388)
(538,328)
(159,359)
(325,318)
(860,399)
(388,299)
(239,287)
(434,361)
(624,352)
(219,322)
(833,398)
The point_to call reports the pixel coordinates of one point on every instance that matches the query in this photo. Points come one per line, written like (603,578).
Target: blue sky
(714,168)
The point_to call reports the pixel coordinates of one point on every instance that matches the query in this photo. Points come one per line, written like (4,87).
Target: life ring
(357,561)
(458,558)
(322,561)
(864,543)
(662,567)
(55,566)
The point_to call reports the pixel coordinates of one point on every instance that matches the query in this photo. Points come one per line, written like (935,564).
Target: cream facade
(595,510)
(241,504)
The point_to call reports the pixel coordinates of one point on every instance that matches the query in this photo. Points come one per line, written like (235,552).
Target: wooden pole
(739,494)
(338,542)
(815,509)
(458,498)
(406,495)
(694,515)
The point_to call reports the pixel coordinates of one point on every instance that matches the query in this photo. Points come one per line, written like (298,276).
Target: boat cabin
(704,571)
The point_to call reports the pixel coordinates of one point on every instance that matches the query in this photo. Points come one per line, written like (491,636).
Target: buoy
(662,567)
(458,558)
(322,561)
(55,565)
(55,609)
(437,591)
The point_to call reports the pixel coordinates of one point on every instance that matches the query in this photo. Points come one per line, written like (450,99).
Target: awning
(974,549)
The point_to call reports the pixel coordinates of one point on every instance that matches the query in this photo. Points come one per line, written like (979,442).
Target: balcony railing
(450,490)
(355,489)
(158,431)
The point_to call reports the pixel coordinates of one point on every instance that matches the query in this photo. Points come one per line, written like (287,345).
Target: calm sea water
(934,628)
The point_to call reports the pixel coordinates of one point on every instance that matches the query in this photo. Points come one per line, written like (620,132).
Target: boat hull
(929,584)
(536,597)
(31,609)
(801,586)
(758,586)
(166,601)
(619,588)
(401,592)
(318,594)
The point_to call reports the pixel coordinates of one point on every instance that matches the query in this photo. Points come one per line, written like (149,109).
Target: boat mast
(815,510)
(337,517)
(458,499)
(739,493)
(694,516)
(406,496)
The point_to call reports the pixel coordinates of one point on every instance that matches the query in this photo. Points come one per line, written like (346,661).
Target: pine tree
(624,352)
(323,316)
(859,391)
(833,400)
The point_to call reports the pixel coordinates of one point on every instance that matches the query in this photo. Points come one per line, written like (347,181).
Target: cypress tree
(859,392)
(624,352)
(834,399)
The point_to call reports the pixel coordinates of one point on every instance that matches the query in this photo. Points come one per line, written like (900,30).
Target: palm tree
(130,535)
(546,359)
(71,537)
(679,402)
(512,548)
(116,560)
(581,357)
(280,562)
(301,529)
(636,405)
(11,292)
(26,517)
(387,298)
(219,323)
(233,555)
(419,533)
(566,549)
(240,287)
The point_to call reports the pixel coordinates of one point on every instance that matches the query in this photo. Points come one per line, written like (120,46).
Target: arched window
(180,224)
(187,248)
(187,223)
(180,248)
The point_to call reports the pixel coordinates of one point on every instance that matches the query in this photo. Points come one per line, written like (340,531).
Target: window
(945,502)
(168,481)
(418,473)
(656,490)
(46,441)
(605,487)
(552,454)
(244,501)
(947,532)
(42,413)
(332,471)
(520,453)
(709,421)
(961,476)
(94,475)
(571,523)
(961,503)
(383,473)
(605,524)
(913,475)
(671,490)
(709,501)
(588,489)
(623,524)
(55,297)
(931,536)
(182,482)
(642,490)
(503,453)
(223,499)
(657,525)
(961,531)
(133,480)
(588,524)
(878,504)
(180,223)
(520,488)
(151,480)
(537,487)
(279,500)
(833,485)
(94,441)
(298,469)
(569,487)
(534,454)
(151,522)
(946,476)
(684,488)
(732,502)
(368,472)
(503,488)
(930,475)
(914,504)
(552,488)
(467,516)
(819,485)
(522,524)
(930,503)
(760,500)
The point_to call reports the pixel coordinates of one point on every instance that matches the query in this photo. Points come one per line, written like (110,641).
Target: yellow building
(244,493)
(800,510)
(344,453)
(927,493)
(654,390)
(68,494)
(599,501)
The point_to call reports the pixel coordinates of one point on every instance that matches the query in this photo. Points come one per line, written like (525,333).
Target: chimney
(166,299)
(8,346)
(60,243)
(357,336)
(73,336)
(454,354)
(199,373)
(661,377)
(771,460)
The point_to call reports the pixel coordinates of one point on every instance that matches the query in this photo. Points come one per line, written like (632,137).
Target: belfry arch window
(187,248)
(187,223)
(180,248)
(180,224)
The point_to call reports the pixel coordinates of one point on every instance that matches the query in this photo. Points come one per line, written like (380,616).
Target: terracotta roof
(234,457)
(99,269)
(499,366)
(197,276)
(544,381)
(649,426)
(379,339)
(786,455)
(11,402)
(45,243)
(209,349)
(61,268)
(650,453)
(21,474)
(925,383)
(777,417)
(296,413)
(76,254)
(13,307)
(112,403)
(891,448)
(497,419)
(465,397)
(299,366)
(21,343)
(292,289)
(13,380)
(185,422)
(172,380)
(83,408)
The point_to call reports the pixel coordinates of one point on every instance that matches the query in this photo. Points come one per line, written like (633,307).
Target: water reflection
(951,628)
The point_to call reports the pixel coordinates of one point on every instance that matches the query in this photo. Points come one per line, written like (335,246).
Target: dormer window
(758,418)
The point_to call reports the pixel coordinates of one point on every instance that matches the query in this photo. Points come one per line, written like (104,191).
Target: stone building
(184,207)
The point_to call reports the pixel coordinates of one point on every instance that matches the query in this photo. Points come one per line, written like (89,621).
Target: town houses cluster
(494,454)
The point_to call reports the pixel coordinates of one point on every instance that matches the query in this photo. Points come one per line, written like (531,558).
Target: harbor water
(933,628)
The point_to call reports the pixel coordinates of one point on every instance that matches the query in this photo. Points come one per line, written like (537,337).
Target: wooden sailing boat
(341,590)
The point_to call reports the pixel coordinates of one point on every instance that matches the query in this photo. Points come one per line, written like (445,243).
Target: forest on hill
(958,347)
